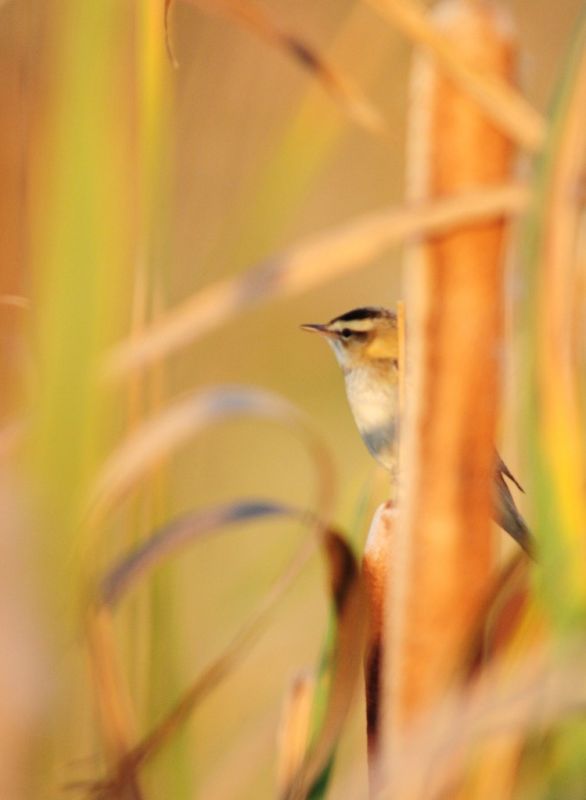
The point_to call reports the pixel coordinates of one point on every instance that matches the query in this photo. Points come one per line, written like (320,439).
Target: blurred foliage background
(185,176)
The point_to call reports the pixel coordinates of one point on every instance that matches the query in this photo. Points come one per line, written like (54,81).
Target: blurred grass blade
(537,692)
(499,622)
(347,591)
(221,667)
(181,421)
(556,428)
(254,18)
(321,259)
(554,359)
(507,109)
(80,245)
(115,711)
(176,535)
(154,552)
(294,728)
(77,239)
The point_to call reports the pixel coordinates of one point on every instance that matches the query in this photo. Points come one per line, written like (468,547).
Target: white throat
(374,402)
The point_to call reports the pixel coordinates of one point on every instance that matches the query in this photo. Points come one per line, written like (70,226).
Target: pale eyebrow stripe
(360,326)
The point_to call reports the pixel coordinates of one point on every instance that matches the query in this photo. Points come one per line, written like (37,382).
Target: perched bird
(365,343)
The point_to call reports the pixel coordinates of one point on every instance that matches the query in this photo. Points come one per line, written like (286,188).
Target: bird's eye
(346,333)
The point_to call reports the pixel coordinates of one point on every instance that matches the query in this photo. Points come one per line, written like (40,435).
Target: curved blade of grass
(510,623)
(316,261)
(508,109)
(349,602)
(350,607)
(181,421)
(346,592)
(117,718)
(255,19)
(176,535)
(113,703)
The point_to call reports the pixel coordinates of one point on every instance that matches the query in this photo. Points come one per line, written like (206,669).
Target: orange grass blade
(293,740)
(508,109)
(320,259)
(114,708)
(178,423)
(443,552)
(254,18)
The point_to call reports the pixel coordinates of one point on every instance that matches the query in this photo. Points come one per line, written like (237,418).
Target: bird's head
(361,336)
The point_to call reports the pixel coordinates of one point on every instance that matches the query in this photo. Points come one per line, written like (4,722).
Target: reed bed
(204,593)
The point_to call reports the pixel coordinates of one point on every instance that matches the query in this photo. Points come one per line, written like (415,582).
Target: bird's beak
(313,327)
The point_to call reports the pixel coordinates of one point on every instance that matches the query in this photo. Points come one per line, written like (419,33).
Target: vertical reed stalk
(443,552)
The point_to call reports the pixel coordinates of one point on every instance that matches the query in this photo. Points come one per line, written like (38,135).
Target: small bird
(366,345)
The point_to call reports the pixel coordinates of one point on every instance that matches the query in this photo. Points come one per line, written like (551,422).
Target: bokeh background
(232,157)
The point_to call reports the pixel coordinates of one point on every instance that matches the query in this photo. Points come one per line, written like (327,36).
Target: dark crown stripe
(369,312)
